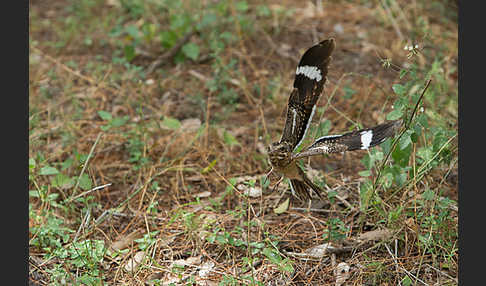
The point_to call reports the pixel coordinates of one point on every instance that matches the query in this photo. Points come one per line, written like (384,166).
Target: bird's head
(280,154)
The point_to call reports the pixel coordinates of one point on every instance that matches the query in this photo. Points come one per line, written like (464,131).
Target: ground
(148,127)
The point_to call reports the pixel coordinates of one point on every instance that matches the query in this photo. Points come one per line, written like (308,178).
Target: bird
(310,76)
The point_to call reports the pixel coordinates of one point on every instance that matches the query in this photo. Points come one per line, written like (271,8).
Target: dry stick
(401,268)
(87,192)
(170,53)
(443,273)
(83,223)
(86,163)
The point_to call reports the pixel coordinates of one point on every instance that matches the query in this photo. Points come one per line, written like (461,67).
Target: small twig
(304,256)
(83,223)
(417,104)
(170,53)
(343,200)
(443,273)
(86,163)
(312,210)
(401,268)
(87,192)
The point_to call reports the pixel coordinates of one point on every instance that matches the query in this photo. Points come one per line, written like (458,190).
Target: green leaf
(85,182)
(31,163)
(405,140)
(282,207)
(348,92)
(365,173)
(229,139)
(394,114)
(210,167)
(402,156)
(425,153)
(33,193)
(263,11)
(191,51)
(387,179)
(232,181)
(129,52)
(48,170)
(119,121)
(406,281)
(104,115)
(168,38)
(62,181)
(241,6)
(67,163)
(208,19)
(272,255)
(323,128)
(399,89)
(365,192)
(105,127)
(286,265)
(403,72)
(367,161)
(171,123)
(415,135)
(428,195)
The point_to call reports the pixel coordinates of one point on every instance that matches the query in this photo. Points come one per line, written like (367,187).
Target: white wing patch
(294,118)
(328,137)
(306,127)
(323,148)
(310,72)
(366,139)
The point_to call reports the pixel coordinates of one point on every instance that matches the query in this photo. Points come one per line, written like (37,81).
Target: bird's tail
(302,188)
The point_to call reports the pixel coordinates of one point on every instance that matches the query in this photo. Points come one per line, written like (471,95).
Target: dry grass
(179,181)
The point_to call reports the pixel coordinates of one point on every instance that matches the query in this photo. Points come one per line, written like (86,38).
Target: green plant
(425,143)
(147,241)
(336,230)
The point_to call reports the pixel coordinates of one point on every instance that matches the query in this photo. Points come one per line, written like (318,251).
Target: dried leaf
(125,241)
(134,262)
(114,3)
(374,235)
(253,192)
(206,268)
(283,207)
(204,194)
(319,251)
(342,273)
(193,260)
(261,148)
(190,124)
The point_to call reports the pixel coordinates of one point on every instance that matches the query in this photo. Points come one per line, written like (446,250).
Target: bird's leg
(268,174)
(278,183)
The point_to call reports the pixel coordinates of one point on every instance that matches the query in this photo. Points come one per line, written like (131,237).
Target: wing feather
(310,76)
(355,140)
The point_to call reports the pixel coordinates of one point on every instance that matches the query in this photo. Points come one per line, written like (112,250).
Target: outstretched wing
(361,139)
(310,77)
